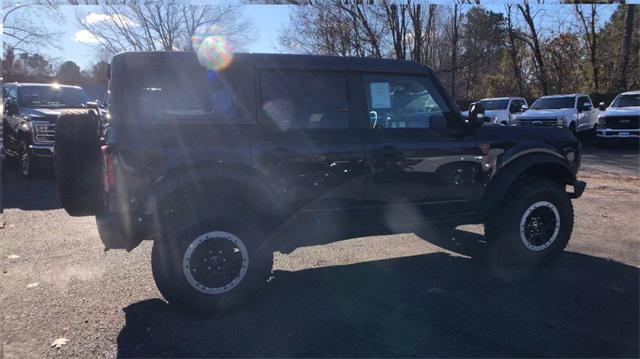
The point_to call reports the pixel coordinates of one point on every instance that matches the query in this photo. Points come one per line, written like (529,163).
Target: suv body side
(337,172)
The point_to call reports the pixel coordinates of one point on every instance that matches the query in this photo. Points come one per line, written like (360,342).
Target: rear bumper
(617,133)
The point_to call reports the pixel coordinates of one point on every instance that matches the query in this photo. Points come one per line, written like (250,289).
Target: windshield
(51,96)
(553,103)
(494,104)
(626,101)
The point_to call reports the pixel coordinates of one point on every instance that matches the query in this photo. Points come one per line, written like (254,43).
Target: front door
(422,163)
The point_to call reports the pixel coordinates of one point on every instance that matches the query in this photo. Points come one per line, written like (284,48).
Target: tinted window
(172,92)
(582,101)
(626,101)
(304,99)
(494,104)
(554,103)
(51,96)
(401,101)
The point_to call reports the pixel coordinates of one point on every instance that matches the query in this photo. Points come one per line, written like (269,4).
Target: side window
(12,93)
(296,99)
(404,101)
(582,101)
(167,92)
(515,106)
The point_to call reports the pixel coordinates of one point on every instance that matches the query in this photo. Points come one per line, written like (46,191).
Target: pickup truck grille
(44,133)
(538,122)
(625,122)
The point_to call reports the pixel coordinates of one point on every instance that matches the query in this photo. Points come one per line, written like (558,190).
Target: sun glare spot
(214,51)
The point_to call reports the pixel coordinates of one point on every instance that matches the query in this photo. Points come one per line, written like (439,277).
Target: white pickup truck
(621,119)
(574,111)
(502,110)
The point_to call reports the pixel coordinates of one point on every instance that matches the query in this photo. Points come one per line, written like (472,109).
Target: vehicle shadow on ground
(438,304)
(39,193)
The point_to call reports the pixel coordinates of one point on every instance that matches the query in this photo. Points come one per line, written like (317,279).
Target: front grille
(538,122)
(627,122)
(44,133)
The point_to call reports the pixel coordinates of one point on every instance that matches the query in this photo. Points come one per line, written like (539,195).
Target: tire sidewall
(510,248)
(168,253)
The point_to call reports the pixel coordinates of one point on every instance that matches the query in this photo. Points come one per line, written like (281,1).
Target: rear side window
(181,92)
(297,99)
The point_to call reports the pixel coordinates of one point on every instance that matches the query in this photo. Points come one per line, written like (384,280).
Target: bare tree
(22,32)
(513,51)
(161,25)
(626,44)
(589,34)
(533,41)
(454,49)
(396,15)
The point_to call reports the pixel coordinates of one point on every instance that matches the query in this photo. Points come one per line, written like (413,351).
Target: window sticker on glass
(380,96)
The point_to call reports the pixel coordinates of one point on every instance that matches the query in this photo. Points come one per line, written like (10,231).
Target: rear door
(308,150)
(421,162)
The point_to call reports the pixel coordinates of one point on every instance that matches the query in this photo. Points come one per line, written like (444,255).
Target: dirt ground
(413,294)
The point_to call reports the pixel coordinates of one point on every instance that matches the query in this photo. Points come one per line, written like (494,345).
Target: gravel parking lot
(414,294)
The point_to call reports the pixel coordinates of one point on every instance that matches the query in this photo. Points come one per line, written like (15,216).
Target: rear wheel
(211,264)
(533,226)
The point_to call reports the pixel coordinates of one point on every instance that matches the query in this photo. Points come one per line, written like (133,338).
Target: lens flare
(214,51)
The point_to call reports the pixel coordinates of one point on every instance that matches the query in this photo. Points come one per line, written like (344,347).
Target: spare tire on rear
(78,164)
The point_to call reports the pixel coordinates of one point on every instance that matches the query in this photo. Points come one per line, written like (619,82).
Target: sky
(267,23)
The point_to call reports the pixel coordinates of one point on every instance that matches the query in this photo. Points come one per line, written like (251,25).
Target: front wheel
(212,265)
(532,226)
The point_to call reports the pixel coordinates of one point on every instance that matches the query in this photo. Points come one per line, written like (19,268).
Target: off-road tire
(168,261)
(78,164)
(503,227)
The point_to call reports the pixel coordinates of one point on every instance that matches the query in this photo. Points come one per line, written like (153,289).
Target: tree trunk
(513,52)
(626,44)
(534,44)
(454,51)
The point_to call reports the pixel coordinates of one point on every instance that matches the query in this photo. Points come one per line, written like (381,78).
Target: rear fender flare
(251,184)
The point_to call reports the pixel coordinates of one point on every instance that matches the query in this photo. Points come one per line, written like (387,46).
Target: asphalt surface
(415,294)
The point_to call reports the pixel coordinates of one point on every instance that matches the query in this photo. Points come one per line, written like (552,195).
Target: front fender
(530,163)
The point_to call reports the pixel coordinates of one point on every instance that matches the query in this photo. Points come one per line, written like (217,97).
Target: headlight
(602,121)
(561,121)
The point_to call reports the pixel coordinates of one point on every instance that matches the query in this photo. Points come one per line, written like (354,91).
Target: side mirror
(524,108)
(602,106)
(476,114)
(586,107)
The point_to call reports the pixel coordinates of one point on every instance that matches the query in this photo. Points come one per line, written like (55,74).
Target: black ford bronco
(29,119)
(222,166)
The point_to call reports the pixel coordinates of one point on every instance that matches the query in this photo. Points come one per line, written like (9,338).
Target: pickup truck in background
(29,121)
(574,111)
(621,120)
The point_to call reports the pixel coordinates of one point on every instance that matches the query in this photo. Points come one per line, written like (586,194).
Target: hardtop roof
(309,62)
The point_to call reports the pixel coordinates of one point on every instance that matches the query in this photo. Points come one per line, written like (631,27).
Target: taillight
(108,175)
